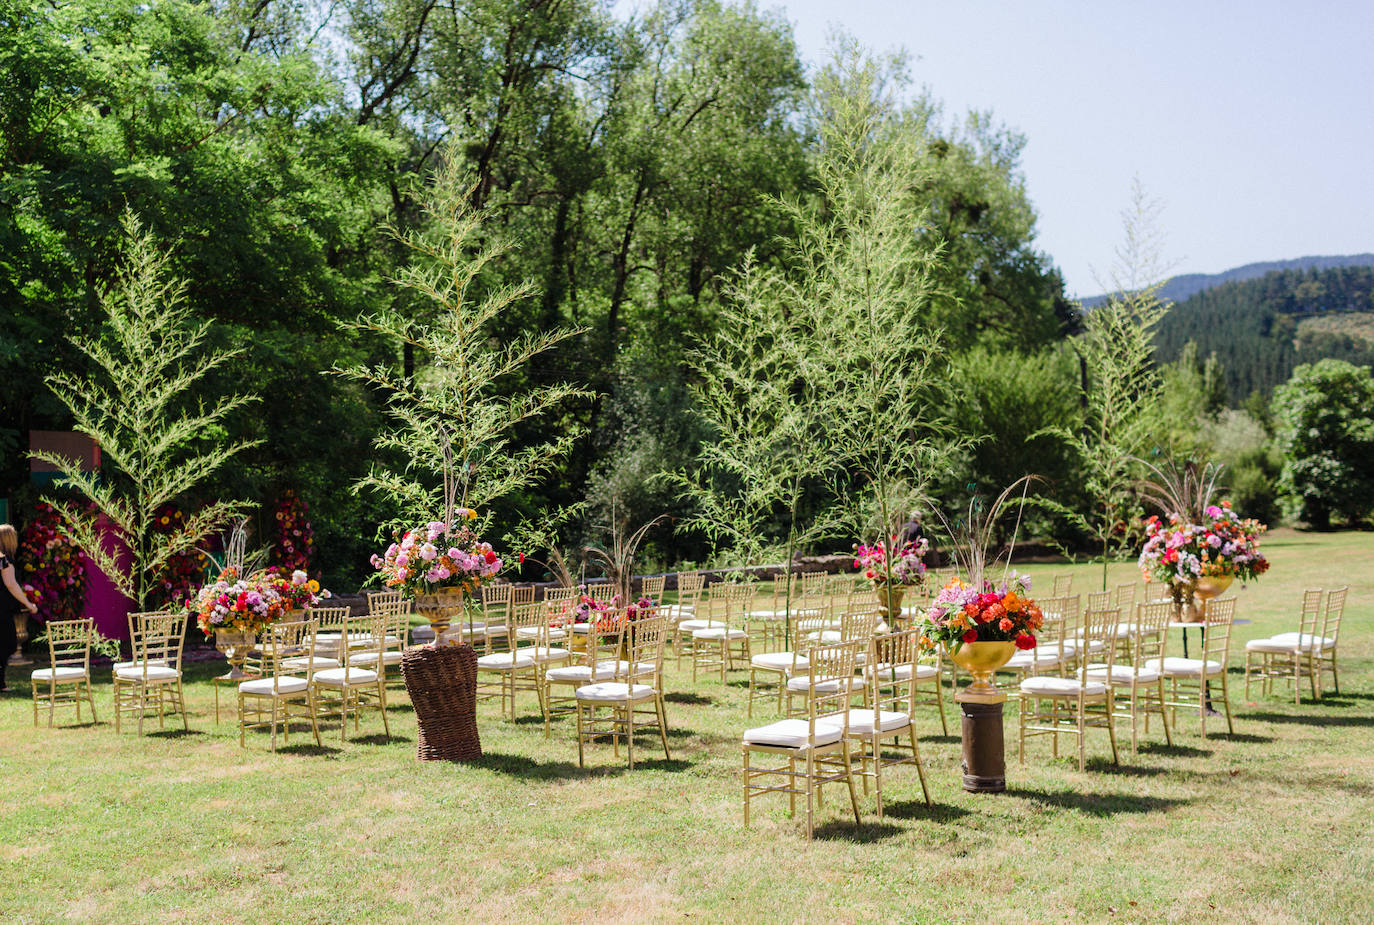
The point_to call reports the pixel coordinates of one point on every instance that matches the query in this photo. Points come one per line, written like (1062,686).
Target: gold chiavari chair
(69,668)
(652,588)
(813,751)
(153,679)
(724,640)
(1051,705)
(1063,586)
(1137,689)
(353,688)
(596,659)
(1189,680)
(633,701)
(267,702)
(889,711)
(1288,656)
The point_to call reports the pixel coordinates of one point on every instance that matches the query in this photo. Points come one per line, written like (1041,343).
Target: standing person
(12,597)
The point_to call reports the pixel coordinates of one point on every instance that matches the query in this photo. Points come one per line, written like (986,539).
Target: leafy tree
(459,408)
(1122,388)
(769,406)
(156,449)
(1325,419)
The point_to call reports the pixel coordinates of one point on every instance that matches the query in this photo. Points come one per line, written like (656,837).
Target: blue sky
(1250,121)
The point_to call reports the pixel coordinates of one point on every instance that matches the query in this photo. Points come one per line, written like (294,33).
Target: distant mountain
(1181,287)
(1261,328)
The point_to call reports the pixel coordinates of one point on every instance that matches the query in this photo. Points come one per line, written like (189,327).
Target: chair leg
(579,735)
(1226,702)
(920,765)
(629,731)
(745,749)
(849,779)
(940,704)
(1111,733)
(662,724)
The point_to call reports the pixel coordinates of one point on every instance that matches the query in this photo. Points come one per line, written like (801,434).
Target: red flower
(490,557)
(1005,625)
(971,635)
(522,558)
(1025,641)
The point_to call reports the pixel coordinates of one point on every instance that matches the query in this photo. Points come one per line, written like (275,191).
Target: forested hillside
(1261,329)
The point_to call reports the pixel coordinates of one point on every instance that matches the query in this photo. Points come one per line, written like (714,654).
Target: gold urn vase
(889,600)
(981,660)
(1207,589)
(439,609)
(235,646)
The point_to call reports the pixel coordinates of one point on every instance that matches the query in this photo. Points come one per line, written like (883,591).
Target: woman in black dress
(12,597)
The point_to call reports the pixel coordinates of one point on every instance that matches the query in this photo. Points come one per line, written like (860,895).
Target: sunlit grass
(1269,825)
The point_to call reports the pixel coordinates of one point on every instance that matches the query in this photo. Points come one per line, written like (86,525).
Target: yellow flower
(313,585)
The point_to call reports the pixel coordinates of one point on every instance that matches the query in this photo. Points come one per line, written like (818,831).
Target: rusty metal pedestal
(985,762)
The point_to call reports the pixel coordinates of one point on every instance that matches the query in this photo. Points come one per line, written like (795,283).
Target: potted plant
(891,580)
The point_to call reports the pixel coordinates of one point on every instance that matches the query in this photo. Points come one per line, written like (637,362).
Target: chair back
(859,625)
(69,644)
(1061,623)
(813,584)
(647,637)
(1335,607)
(1150,635)
(362,633)
(1063,586)
(604,635)
(728,602)
(529,625)
(383,601)
(1125,597)
(496,603)
(522,594)
(1100,600)
(890,656)
(689,583)
(652,588)
(1310,616)
(287,640)
(862,597)
(1217,641)
(830,683)
(329,621)
(1099,627)
(156,638)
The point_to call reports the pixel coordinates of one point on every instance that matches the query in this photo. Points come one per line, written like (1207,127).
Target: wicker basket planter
(442,683)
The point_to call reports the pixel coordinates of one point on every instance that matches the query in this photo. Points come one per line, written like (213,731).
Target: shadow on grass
(527,768)
(1173,751)
(165,733)
(1306,720)
(918,810)
(1241,737)
(1104,766)
(867,833)
(310,750)
(940,739)
(696,700)
(380,738)
(1097,804)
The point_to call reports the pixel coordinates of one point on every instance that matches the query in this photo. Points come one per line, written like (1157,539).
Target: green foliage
(1261,329)
(1325,417)
(156,449)
(454,418)
(1123,388)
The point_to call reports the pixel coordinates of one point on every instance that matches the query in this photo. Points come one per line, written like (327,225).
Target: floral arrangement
(184,571)
(296,589)
(907,567)
(236,604)
(1176,551)
(293,539)
(54,568)
(438,557)
(963,613)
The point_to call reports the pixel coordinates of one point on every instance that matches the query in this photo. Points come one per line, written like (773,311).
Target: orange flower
(1012,603)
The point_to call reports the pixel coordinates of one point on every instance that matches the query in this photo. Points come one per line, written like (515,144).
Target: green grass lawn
(1269,825)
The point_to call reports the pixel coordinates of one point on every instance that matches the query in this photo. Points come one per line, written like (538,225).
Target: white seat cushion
(780,661)
(1125,630)
(794,733)
(285,685)
(58,674)
(612,691)
(1124,674)
(825,637)
(719,632)
(389,657)
(153,673)
(345,677)
(1039,657)
(1061,687)
(1184,667)
(1306,640)
(694,625)
(532,632)
(830,686)
(580,674)
(890,673)
(303,662)
(506,661)
(156,661)
(544,654)
(861,721)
